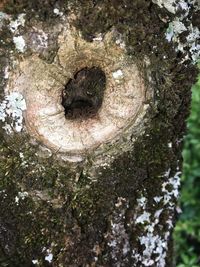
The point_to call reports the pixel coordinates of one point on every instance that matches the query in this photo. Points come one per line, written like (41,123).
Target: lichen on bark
(116,206)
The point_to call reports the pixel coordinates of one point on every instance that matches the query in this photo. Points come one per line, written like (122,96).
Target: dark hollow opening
(83,95)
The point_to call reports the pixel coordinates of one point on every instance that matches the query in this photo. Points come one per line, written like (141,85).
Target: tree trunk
(94,98)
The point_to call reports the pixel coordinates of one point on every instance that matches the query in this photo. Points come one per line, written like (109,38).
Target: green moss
(44,9)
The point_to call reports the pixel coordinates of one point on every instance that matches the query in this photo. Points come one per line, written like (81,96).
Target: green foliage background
(187,231)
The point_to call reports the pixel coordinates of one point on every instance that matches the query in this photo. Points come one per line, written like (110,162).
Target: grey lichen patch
(19,43)
(43,41)
(3,16)
(117,238)
(183,33)
(19,22)
(14,26)
(171,5)
(154,239)
(12,108)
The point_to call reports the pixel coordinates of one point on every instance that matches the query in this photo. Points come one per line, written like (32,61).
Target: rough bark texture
(112,208)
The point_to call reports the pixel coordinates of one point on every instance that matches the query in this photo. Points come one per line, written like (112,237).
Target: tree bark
(94,99)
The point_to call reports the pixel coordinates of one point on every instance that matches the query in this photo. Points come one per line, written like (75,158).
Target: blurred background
(187,231)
